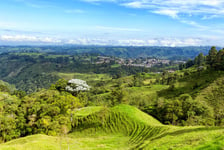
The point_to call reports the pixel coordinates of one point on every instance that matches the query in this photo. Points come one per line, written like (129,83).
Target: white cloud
(135,4)
(171,13)
(162,42)
(181,42)
(138,42)
(87,41)
(174,8)
(28,38)
(209,17)
(182,10)
(194,24)
(132,42)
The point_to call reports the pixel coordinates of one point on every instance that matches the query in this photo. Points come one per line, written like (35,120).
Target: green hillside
(122,127)
(139,110)
(213,95)
(90,142)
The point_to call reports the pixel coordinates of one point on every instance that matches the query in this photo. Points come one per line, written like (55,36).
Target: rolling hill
(122,127)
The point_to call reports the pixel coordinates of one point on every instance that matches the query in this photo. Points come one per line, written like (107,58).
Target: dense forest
(190,96)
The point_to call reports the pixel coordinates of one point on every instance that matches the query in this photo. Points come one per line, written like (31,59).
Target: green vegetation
(95,105)
(213,96)
(197,139)
(91,78)
(6,87)
(31,72)
(44,142)
(123,127)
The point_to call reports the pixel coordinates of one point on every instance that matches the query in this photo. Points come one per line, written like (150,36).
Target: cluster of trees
(47,111)
(214,59)
(182,111)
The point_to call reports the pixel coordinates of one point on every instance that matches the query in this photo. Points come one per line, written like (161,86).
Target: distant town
(137,62)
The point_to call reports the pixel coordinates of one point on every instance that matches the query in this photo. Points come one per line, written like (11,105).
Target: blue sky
(112,22)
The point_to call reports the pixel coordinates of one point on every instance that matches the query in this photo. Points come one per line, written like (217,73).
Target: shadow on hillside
(186,131)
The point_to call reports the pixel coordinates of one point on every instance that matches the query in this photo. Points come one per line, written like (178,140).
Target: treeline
(214,59)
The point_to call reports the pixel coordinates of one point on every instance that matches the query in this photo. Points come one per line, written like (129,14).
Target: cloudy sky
(112,22)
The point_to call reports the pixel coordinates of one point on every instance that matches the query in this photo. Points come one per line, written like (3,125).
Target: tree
(138,80)
(189,63)
(48,110)
(182,66)
(199,60)
(6,87)
(219,60)
(19,94)
(60,85)
(117,96)
(211,55)
(76,85)
(9,118)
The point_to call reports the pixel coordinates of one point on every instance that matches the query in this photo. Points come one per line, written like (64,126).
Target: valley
(87,101)
(111,75)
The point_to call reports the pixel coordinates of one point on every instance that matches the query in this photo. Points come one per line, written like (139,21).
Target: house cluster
(137,62)
(146,62)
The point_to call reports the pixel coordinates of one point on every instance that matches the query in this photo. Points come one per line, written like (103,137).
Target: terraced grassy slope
(123,127)
(124,119)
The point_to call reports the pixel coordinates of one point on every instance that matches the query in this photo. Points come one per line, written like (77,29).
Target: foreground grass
(196,140)
(90,142)
(122,127)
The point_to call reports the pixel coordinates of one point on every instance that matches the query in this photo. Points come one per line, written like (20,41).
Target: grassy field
(190,138)
(82,112)
(144,94)
(90,142)
(122,127)
(115,66)
(84,76)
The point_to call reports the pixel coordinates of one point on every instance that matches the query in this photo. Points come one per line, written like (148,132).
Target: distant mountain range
(171,53)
